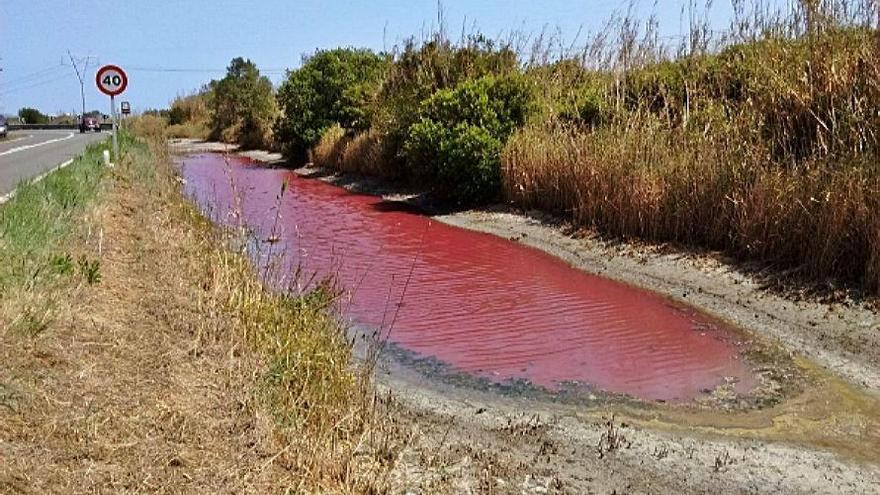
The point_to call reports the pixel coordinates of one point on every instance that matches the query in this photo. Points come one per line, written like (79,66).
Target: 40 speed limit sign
(111,80)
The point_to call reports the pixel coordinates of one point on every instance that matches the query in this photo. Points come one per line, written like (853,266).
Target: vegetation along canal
(479,303)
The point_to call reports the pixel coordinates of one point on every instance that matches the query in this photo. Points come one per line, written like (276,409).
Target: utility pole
(82,89)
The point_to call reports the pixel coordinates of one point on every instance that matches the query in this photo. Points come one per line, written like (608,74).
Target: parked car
(89,124)
(3,126)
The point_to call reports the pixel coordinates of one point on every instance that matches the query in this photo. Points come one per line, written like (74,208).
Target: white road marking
(29,146)
(6,197)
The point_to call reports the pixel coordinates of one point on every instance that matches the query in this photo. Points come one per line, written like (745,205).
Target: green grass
(34,227)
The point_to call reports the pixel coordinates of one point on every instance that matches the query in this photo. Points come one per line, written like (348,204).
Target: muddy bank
(467,443)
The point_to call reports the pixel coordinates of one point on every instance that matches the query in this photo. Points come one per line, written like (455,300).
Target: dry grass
(766,147)
(120,393)
(193,130)
(823,220)
(362,153)
(189,117)
(149,126)
(321,402)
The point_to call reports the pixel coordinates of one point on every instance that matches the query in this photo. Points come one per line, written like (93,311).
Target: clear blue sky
(150,38)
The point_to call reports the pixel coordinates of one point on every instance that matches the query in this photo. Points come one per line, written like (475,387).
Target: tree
(332,87)
(242,105)
(32,116)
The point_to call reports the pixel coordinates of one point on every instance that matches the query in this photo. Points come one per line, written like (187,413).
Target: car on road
(3,126)
(89,124)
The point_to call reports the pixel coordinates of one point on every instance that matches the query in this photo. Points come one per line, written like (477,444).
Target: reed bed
(763,144)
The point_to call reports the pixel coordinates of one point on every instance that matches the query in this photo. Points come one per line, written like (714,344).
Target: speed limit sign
(111,80)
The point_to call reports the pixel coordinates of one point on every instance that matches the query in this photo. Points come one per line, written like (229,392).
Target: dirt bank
(823,440)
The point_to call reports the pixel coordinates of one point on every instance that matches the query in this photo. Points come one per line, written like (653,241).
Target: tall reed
(762,142)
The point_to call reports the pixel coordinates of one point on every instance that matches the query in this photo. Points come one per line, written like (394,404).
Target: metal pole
(82,89)
(115,142)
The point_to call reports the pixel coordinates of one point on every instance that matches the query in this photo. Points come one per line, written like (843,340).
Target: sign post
(112,81)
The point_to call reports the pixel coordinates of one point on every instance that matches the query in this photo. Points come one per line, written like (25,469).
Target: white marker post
(113,120)
(112,81)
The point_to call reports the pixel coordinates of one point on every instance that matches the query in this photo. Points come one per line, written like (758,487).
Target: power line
(8,91)
(195,70)
(35,75)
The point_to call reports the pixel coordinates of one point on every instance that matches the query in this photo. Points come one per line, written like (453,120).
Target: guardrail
(41,127)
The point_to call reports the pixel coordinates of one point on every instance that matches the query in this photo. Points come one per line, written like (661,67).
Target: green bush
(32,116)
(420,70)
(587,105)
(332,87)
(456,144)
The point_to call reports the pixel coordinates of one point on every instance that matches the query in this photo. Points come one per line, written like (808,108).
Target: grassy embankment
(37,258)
(118,260)
(322,403)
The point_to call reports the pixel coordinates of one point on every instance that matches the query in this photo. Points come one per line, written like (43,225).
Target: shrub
(420,70)
(332,87)
(462,161)
(32,116)
(457,141)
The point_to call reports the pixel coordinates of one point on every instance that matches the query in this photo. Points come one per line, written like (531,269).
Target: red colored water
(477,302)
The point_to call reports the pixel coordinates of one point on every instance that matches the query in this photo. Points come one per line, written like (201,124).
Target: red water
(479,303)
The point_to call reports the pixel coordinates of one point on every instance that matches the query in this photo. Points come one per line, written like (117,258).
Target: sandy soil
(822,438)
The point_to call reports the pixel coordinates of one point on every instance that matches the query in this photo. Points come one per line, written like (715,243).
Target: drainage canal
(479,303)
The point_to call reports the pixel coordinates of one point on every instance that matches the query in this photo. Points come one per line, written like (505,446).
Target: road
(27,154)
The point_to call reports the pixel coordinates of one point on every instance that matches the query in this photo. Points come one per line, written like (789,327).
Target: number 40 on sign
(111,80)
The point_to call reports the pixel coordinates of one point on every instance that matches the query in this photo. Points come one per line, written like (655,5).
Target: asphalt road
(27,154)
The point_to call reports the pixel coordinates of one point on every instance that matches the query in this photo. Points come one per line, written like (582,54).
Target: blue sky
(151,39)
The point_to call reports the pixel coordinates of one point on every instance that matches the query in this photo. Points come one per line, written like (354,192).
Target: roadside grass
(322,401)
(35,255)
